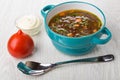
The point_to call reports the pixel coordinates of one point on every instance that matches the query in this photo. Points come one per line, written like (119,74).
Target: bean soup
(75,23)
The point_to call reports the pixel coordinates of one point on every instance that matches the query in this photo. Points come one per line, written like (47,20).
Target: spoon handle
(104,58)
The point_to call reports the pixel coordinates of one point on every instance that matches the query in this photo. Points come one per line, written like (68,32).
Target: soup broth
(75,23)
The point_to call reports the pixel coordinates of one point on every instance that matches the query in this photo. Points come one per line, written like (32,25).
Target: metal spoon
(35,68)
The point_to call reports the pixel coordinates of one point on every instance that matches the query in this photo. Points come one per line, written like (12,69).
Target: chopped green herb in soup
(75,23)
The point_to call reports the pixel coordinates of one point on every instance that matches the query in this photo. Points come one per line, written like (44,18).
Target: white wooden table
(46,52)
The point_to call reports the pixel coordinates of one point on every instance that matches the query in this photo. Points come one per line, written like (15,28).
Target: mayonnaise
(30,24)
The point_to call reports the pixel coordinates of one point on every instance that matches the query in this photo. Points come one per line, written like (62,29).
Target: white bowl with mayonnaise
(29,24)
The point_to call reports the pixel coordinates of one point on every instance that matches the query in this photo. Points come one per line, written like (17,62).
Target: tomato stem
(19,32)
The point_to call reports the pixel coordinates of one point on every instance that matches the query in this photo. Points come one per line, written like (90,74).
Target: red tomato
(20,45)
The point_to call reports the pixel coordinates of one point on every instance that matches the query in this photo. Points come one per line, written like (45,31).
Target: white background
(46,53)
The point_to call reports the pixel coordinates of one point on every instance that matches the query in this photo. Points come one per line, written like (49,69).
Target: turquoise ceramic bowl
(79,45)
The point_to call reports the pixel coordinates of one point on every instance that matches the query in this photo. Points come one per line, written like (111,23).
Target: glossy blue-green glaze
(22,67)
(79,45)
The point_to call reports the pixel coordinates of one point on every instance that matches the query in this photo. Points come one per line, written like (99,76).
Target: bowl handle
(46,9)
(97,40)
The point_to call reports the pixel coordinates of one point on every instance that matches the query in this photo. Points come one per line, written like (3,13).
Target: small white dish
(29,24)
